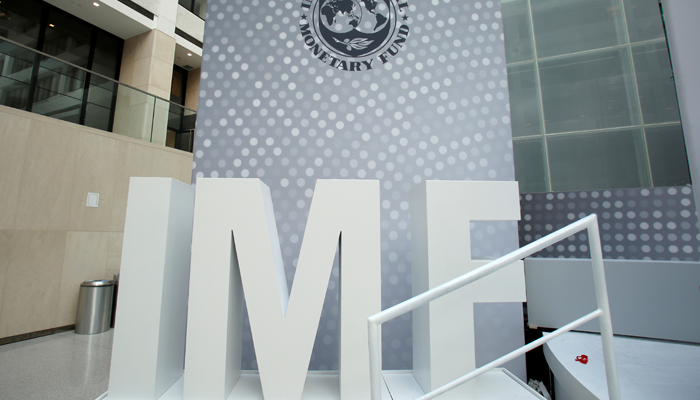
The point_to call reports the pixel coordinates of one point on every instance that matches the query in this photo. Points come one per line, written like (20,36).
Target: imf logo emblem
(351,34)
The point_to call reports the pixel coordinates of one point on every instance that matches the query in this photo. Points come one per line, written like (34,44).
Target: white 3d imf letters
(235,253)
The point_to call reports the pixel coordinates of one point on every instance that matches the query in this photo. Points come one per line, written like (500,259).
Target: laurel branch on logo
(357,44)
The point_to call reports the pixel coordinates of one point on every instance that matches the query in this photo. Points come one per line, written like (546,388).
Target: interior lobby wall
(50,242)
(275,104)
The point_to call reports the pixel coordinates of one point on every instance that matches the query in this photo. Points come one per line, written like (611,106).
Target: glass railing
(40,83)
(196,7)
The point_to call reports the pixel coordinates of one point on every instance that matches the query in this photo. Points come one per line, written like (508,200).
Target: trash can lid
(97,283)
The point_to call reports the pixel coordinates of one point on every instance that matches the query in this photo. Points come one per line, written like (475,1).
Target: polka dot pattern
(437,110)
(637,224)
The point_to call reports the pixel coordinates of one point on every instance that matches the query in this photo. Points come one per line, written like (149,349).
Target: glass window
(14,93)
(667,156)
(102,92)
(186,3)
(517,30)
(59,86)
(657,91)
(67,38)
(59,91)
(20,21)
(200,8)
(197,7)
(569,26)
(644,20)
(530,167)
(49,86)
(108,50)
(601,160)
(16,65)
(524,100)
(101,98)
(599,104)
(97,117)
(588,91)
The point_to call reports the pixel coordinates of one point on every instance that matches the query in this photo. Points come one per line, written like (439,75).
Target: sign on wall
(192,263)
(352,35)
(281,100)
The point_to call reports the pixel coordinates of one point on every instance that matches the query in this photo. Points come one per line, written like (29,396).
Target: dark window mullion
(115,90)
(37,58)
(86,84)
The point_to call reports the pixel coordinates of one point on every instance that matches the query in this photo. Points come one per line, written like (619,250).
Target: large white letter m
(236,250)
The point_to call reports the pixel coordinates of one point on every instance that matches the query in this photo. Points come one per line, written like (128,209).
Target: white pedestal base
(649,369)
(497,384)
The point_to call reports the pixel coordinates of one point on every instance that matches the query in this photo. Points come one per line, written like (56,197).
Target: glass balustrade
(42,84)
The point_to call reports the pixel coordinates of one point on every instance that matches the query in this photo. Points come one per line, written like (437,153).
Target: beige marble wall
(84,257)
(147,62)
(43,204)
(14,132)
(33,262)
(50,241)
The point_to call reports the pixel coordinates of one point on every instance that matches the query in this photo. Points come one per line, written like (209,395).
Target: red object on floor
(583,359)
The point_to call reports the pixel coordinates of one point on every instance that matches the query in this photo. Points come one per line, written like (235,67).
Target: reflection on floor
(64,366)
(67,366)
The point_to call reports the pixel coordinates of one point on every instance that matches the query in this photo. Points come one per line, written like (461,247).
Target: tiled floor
(64,366)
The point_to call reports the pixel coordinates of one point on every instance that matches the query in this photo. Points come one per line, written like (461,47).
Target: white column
(149,337)
(166,17)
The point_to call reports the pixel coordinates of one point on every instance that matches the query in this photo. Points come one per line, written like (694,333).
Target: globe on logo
(355,28)
(341,16)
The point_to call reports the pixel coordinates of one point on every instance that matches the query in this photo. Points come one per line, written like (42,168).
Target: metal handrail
(90,72)
(603,312)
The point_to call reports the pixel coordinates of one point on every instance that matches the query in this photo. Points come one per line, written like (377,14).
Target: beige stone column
(147,64)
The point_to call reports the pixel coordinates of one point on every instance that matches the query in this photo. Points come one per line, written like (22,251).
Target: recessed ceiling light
(189,54)
(96,4)
(51,25)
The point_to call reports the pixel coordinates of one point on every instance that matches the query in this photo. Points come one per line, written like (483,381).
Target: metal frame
(590,223)
(41,53)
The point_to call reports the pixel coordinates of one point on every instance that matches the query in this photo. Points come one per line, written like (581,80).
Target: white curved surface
(648,369)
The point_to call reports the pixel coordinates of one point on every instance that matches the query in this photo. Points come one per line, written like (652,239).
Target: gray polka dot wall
(438,109)
(638,224)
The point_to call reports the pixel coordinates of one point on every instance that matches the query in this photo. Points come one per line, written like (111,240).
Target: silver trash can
(94,307)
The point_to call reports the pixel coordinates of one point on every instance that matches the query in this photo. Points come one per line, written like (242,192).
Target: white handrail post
(375,360)
(606,331)
(603,312)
